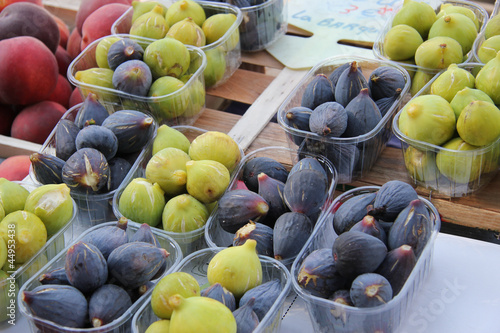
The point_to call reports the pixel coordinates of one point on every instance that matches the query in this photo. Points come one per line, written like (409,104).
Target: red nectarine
(87,7)
(15,167)
(7,115)
(62,92)
(5,3)
(75,98)
(63,60)
(73,45)
(63,30)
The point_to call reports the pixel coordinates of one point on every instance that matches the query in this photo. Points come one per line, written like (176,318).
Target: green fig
(216,26)
(169,100)
(142,7)
(458,165)
(420,79)
(184,213)
(438,53)
(489,49)
(200,314)
(479,123)
(3,253)
(167,136)
(167,168)
(236,268)
(451,81)
(401,42)
(151,24)
(99,77)
(421,165)
(196,101)
(448,8)
(216,146)
(206,180)
(2,212)
(159,326)
(428,118)
(180,283)
(101,50)
(463,97)
(142,201)
(167,56)
(29,234)
(492,27)
(488,79)
(52,203)
(216,66)
(419,15)
(187,32)
(182,9)
(12,196)
(457,26)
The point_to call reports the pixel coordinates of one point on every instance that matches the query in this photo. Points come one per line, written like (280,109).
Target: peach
(7,115)
(63,60)
(28,19)
(62,92)
(5,3)
(75,98)
(28,70)
(35,122)
(73,45)
(87,7)
(63,31)
(15,167)
(98,24)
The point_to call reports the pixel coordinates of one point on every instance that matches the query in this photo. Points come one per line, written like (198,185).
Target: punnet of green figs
(211,26)
(237,289)
(426,37)
(360,270)
(162,78)
(487,43)
(450,130)
(99,280)
(343,109)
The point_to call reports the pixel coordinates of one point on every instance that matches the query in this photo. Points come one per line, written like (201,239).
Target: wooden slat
(11,146)
(262,59)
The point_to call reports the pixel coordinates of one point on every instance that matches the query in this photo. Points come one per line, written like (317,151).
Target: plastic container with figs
(328,316)
(216,236)
(181,107)
(378,45)
(225,44)
(119,325)
(481,37)
(196,264)
(352,157)
(472,169)
(189,241)
(92,208)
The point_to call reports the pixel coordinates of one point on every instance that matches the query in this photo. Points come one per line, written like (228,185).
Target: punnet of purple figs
(92,150)
(343,110)
(100,279)
(274,201)
(368,260)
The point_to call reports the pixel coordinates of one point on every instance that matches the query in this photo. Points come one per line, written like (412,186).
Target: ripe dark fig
(221,294)
(306,191)
(318,274)
(246,318)
(364,109)
(317,92)
(413,227)
(261,233)
(370,226)
(91,109)
(108,238)
(118,170)
(133,77)
(265,295)
(385,103)
(85,267)
(108,303)
(98,137)
(334,76)
(236,208)
(145,234)
(308,163)
(384,81)
(55,276)
(328,119)
(86,171)
(267,165)
(342,296)
(134,264)
(298,118)
(391,199)
(291,232)
(397,266)
(349,84)
(63,305)
(369,290)
(47,168)
(65,135)
(132,128)
(356,252)
(272,191)
(123,50)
